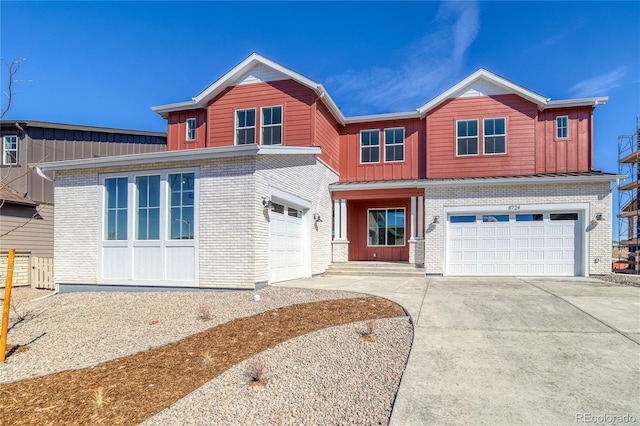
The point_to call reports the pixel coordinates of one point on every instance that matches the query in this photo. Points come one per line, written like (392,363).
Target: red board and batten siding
(520,116)
(177,130)
(296,101)
(326,135)
(352,170)
(571,154)
(358,231)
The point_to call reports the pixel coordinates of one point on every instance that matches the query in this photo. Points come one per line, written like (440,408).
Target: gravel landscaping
(333,376)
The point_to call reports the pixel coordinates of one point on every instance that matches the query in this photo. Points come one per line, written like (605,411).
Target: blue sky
(107,63)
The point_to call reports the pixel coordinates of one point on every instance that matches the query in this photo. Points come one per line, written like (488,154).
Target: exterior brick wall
(234,235)
(21,270)
(76,227)
(307,178)
(597,195)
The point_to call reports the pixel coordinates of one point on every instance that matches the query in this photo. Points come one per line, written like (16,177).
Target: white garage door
(287,244)
(514,244)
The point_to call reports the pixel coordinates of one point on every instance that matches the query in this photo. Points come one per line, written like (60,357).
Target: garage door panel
(529,246)
(286,246)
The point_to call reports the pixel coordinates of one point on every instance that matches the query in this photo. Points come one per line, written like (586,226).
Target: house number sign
(514,207)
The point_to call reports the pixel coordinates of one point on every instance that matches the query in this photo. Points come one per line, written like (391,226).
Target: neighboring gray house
(26,198)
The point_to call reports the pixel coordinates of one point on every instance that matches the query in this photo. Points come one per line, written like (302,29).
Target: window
(563,216)
(467,137)
(191,129)
(116,208)
(535,217)
(271,126)
(495,137)
(10,150)
(148,207)
(245,126)
(181,205)
(462,219)
(562,127)
(386,227)
(394,144)
(370,146)
(491,218)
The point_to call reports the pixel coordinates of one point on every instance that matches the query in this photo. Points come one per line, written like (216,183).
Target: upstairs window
(562,127)
(191,129)
(394,144)
(370,146)
(245,126)
(10,150)
(495,136)
(271,125)
(467,137)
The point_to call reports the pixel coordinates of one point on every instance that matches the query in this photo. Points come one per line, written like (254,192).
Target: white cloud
(599,85)
(425,66)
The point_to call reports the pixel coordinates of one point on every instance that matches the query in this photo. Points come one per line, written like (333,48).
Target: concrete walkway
(513,351)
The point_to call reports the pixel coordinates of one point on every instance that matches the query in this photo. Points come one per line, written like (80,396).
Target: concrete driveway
(511,351)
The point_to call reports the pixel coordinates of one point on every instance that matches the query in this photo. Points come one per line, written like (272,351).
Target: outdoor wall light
(436,219)
(267,204)
(316,217)
(598,216)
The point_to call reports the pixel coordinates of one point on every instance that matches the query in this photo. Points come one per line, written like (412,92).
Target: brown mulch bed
(131,389)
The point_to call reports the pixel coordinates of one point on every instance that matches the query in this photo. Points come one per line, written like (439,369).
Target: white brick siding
(597,195)
(234,234)
(307,178)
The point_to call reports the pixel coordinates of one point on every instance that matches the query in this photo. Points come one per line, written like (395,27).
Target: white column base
(416,251)
(340,251)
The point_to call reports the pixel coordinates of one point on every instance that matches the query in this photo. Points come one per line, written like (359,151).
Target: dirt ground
(131,389)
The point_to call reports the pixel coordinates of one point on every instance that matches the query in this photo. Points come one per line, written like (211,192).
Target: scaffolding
(626,255)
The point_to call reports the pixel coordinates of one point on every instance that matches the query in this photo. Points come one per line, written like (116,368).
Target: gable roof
(255,61)
(481,82)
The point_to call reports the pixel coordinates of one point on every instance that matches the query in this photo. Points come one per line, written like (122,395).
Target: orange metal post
(7,305)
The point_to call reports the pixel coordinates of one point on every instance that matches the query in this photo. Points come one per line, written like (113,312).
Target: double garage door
(538,244)
(287,241)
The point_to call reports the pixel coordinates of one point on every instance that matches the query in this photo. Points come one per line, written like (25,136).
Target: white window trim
(387,209)
(466,137)
(4,150)
(263,126)
(557,128)
(163,243)
(379,145)
(484,136)
(404,138)
(236,128)
(195,126)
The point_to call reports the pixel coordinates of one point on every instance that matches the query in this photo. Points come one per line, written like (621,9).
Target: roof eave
(173,156)
(563,103)
(524,180)
(383,117)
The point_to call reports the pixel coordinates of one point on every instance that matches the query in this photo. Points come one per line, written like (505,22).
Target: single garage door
(541,243)
(286,243)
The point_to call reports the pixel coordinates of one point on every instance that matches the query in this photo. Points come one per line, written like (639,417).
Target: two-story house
(26,197)
(266,180)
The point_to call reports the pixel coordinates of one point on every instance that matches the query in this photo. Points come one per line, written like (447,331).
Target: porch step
(378,269)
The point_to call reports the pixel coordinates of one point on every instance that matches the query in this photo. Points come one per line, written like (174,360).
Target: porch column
(336,220)
(416,243)
(413,218)
(343,219)
(340,245)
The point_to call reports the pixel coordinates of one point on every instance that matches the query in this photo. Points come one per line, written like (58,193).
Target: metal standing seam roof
(565,177)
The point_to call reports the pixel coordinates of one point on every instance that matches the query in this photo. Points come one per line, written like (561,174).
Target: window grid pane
(10,150)
(562,124)
(148,208)
(181,208)
(494,136)
(245,126)
(387,227)
(191,129)
(370,146)
(272,126)
(394,144)
(116,208)
(467,137)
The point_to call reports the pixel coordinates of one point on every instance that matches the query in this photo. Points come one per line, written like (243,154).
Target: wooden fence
(42,272)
